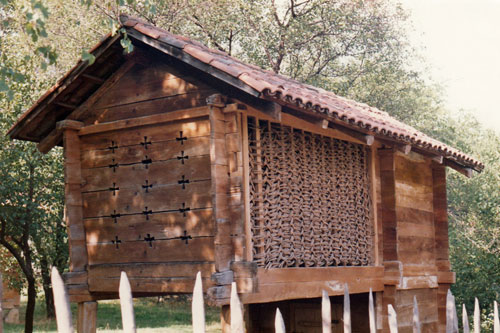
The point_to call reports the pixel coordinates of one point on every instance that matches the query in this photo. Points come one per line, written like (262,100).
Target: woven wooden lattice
(309,198)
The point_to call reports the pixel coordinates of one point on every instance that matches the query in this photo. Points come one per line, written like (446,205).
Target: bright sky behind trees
(462,46)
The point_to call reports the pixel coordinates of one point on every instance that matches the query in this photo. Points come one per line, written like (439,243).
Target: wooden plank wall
(409,199)
(146,199)
(149,87)
(145,189)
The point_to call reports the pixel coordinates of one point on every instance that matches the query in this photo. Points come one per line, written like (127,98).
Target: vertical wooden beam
(388,203)
(441,243)
(373,168)
(220,187)
(73,206)
(246,188)
(87,317)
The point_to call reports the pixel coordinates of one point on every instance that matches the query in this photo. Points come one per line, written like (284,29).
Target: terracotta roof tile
(198,53)
(148,30)
(294,93)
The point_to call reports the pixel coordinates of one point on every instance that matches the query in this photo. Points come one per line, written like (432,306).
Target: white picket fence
(64,320)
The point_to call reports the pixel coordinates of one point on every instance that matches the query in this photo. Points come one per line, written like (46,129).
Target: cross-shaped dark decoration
(115,216)
(147,186)
(114,189)
(113,147)
(184,209)
(186,237)
(182,157)
(181,138)
(183,182)
(147,212)
(146,161)
(113,165)
(116,241)
(146,142)
(149,239)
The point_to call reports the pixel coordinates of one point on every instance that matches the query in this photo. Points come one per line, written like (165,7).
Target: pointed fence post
(477,316)
(326,312)
(465,319)
(127,304)
(61,303)
(237,325)
(416,317)
(496,320)
(451,314)
(371,313)
(347,310)
(198,307)
(279,324)
(393,319)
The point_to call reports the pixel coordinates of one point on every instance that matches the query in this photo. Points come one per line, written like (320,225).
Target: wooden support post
(388,203)
(73,205)
(87,317)
(441,245)
(220,172)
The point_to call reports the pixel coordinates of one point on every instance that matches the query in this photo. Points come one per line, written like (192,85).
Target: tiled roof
(270,84)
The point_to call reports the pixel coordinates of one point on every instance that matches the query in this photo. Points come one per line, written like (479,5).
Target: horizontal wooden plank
(157,199)
(157,151)
(197,249)
(151,285)
(278,275)
(414,196)
(154,270)
(156,173)
(271,292)
(132,131)
(407,229)
(162,225)
(422,217)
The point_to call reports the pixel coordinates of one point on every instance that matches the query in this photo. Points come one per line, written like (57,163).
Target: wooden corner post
(76,280)
(389,230)
(445,276)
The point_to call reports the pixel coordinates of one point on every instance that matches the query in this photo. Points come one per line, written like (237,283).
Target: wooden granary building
(180,159)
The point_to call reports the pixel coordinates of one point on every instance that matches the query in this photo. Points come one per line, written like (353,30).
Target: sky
(461,40)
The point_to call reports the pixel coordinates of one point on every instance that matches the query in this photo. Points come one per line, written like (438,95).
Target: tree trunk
(47,289)
(30,307)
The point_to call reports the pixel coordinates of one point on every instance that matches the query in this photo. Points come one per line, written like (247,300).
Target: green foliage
(169,315)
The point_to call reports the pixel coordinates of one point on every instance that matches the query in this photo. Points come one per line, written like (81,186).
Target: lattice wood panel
(309,198)
(146,194)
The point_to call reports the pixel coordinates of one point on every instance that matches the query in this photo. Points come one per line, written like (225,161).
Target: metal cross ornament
(116,242)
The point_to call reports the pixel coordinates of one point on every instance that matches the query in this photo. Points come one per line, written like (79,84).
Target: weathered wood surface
(161,225)
(197,249)
(135,154)
(73,201)
(87,317)
(148,89)
(294,283)
(170,197)
(151,277)
(194,168)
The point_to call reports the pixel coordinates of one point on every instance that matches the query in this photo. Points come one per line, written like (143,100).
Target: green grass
(171,315)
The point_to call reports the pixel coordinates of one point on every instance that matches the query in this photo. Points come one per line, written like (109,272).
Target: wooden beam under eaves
(55,136)
(365,138)
(467,172)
